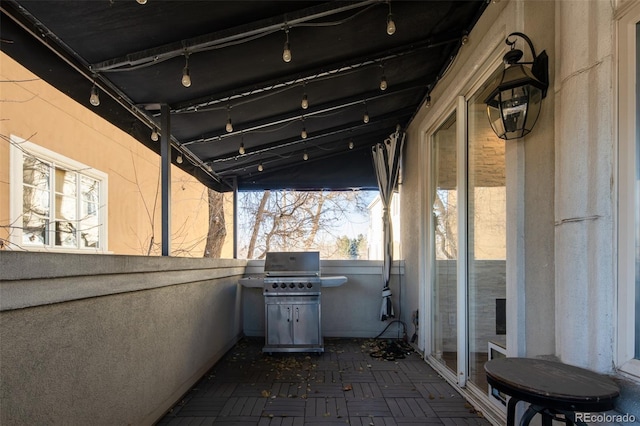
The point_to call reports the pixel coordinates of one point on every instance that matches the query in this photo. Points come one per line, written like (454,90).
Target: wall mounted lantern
(514,105)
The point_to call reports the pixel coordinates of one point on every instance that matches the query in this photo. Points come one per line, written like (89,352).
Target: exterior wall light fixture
(514,105)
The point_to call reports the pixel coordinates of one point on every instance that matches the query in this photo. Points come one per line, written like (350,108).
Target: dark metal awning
(340,51)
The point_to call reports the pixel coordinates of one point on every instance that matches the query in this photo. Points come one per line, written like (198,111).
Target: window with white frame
(629,190)
(56,202)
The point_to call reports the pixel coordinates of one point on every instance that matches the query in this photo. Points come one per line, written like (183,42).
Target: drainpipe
(165,178)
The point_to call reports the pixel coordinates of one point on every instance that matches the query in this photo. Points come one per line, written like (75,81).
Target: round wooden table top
(552,384)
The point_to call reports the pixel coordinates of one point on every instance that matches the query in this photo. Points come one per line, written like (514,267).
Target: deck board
(344,385)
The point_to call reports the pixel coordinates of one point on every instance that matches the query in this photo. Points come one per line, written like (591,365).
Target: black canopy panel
(340,52)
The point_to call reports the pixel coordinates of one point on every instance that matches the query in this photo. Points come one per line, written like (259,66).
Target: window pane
(486,223)
(65,207)
(34,229)
(36,200)
(65,234)
(90,221)
(445,211)
(65,182)
(35,173)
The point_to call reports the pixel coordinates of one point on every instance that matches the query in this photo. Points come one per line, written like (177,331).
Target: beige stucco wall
(32,109)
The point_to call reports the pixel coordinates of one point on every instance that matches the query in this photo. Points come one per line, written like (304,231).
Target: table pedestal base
(547,414)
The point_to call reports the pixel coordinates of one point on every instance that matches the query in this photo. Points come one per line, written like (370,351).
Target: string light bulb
(391,26)
(305,156)
(383,83)
(286,52)
(305,102)
(303,133)
(229,126)
(94,99)
(209,168)
(186,75)
(260,167)
(142,1)
(179,160)
(428,102)
(350,144)
(154,135)
(241,150)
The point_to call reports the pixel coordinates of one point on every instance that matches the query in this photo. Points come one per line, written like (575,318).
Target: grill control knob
(274,285)
(300,285)
(309,285)
(292,285)
(283,285)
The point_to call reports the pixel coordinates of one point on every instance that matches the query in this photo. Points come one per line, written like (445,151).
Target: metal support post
(165,178)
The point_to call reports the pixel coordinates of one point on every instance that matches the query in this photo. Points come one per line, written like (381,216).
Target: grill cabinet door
(306,324)
(279,327)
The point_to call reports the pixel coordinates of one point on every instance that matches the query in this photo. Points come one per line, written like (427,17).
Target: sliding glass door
(467,243)
(486,241)
(444,208)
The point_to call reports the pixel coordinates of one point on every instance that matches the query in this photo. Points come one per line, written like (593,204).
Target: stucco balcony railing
(98,339)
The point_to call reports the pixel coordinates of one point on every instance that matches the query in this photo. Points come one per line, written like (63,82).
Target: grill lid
(292,264)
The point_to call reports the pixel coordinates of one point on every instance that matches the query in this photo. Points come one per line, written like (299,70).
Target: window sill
(42,249)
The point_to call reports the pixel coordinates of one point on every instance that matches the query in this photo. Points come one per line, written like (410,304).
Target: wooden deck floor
(343,385)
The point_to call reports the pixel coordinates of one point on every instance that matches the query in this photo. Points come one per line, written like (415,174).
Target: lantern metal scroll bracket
(539,65)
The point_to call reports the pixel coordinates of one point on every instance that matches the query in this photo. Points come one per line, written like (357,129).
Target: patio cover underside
(340,52)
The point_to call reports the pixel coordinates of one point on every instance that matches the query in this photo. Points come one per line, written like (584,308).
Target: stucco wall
(585,195)
(33,110)
(106,340)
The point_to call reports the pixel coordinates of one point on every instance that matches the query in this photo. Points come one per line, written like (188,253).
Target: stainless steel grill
(292,297)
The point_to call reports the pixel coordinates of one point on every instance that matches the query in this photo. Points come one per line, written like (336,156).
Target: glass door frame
(457,105)
(460,376)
